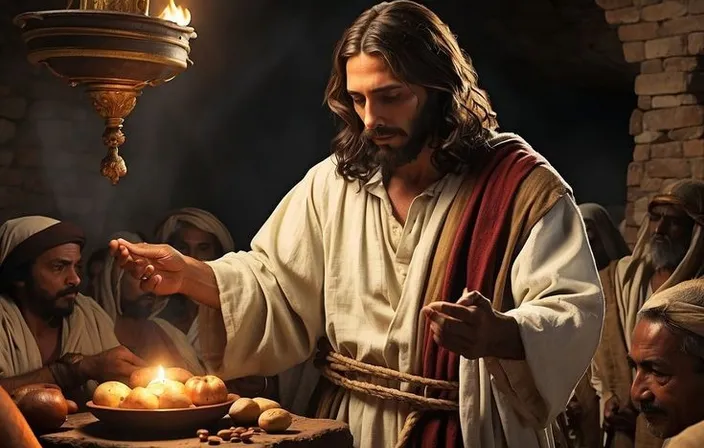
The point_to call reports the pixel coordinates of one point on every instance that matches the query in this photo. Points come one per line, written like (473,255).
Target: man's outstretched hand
(159,267)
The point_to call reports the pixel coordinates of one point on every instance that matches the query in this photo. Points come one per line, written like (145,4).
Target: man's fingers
(143,250)
(130,358)
(473,298)
(151,283)
(454,310)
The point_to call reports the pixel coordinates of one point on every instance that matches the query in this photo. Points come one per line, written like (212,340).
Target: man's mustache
(71,290)
(381,132)
(649,407)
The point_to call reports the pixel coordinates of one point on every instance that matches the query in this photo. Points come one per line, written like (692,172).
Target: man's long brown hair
(419,49)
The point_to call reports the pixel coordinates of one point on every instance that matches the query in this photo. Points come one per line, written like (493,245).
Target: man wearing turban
(49,332)
(135,315)
(669,250)
(667,354)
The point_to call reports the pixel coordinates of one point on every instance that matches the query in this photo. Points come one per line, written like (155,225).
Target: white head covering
(107,287)
(196,217)
(683,304)
(24,239)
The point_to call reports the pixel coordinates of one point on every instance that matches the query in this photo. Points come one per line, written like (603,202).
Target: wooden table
(85,431)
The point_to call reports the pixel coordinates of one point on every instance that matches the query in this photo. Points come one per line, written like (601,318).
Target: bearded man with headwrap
(135,315)
(49,332)
(199,234)
(667,353)
(669,250)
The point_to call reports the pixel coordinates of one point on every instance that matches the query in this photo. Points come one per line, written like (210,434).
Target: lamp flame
(177,14)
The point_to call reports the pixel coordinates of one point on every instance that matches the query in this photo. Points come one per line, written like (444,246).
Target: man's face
(53,284)
(668,386)
(670,235)
(600,255)
(390,109)
(134,302)
(196,243)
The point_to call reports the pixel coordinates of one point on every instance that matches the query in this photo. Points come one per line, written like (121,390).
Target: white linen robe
(333,261)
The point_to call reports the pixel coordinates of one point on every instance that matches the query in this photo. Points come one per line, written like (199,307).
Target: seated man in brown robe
(49,332)
(134,312)
(669,250)
(667,354)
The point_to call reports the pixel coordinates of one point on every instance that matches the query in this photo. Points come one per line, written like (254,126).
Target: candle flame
(177,14)
(160,374)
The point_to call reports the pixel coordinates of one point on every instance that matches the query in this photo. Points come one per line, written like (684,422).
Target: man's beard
(141,308)
(666,253)
(52,307)
(650,409)
(390,159)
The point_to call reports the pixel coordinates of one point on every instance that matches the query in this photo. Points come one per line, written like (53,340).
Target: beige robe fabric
(108,294)
(333,261)
(692,437)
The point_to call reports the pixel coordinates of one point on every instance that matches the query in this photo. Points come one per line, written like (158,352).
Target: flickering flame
(177,14)
(160,374)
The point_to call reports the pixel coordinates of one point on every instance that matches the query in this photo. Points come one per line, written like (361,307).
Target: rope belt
(338,366)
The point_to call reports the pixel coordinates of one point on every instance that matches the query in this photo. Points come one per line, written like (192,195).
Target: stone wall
(666,38)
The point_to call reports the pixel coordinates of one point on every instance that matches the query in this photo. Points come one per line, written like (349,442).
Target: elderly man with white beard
(669,250)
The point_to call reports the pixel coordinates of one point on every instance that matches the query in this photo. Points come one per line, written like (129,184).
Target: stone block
(634,193)
(614,4)
(673,118)
(667,150)
(695,43)
(636,122)
(684,134)
(622,15)
(638,31)
(651,66)
(641,153)
(696,6)
(641,205)
(665,101)
(693,148)
(663,11)
(644,102)
(697,168)
(651,185)
(680,64)
(7,130)
(634,174)
(648,137)
(667,168)
(659,102)
(661,83)
(681,25)
(634,51)
(665,47)
(13,108)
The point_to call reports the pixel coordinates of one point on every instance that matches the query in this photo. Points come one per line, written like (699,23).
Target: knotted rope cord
(338,365)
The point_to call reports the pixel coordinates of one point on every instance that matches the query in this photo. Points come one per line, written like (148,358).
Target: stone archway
(666,38)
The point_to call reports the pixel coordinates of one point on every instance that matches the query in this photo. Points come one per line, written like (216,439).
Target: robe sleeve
(271,297)
(559,309)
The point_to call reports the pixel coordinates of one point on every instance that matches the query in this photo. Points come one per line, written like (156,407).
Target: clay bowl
(101,47)
(160,420)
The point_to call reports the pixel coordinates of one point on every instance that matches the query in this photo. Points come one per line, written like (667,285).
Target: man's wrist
(508,343)
(67,371)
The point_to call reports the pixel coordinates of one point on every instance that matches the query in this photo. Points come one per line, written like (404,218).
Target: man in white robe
(346,254)
(50,332)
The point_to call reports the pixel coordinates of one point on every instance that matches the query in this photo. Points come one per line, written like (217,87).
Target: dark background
(238,129)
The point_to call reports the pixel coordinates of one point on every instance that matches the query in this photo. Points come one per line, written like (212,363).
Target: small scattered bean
(214,440)
(225,434)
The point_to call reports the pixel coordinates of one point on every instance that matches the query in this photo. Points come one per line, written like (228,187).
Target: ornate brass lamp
(114,49)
